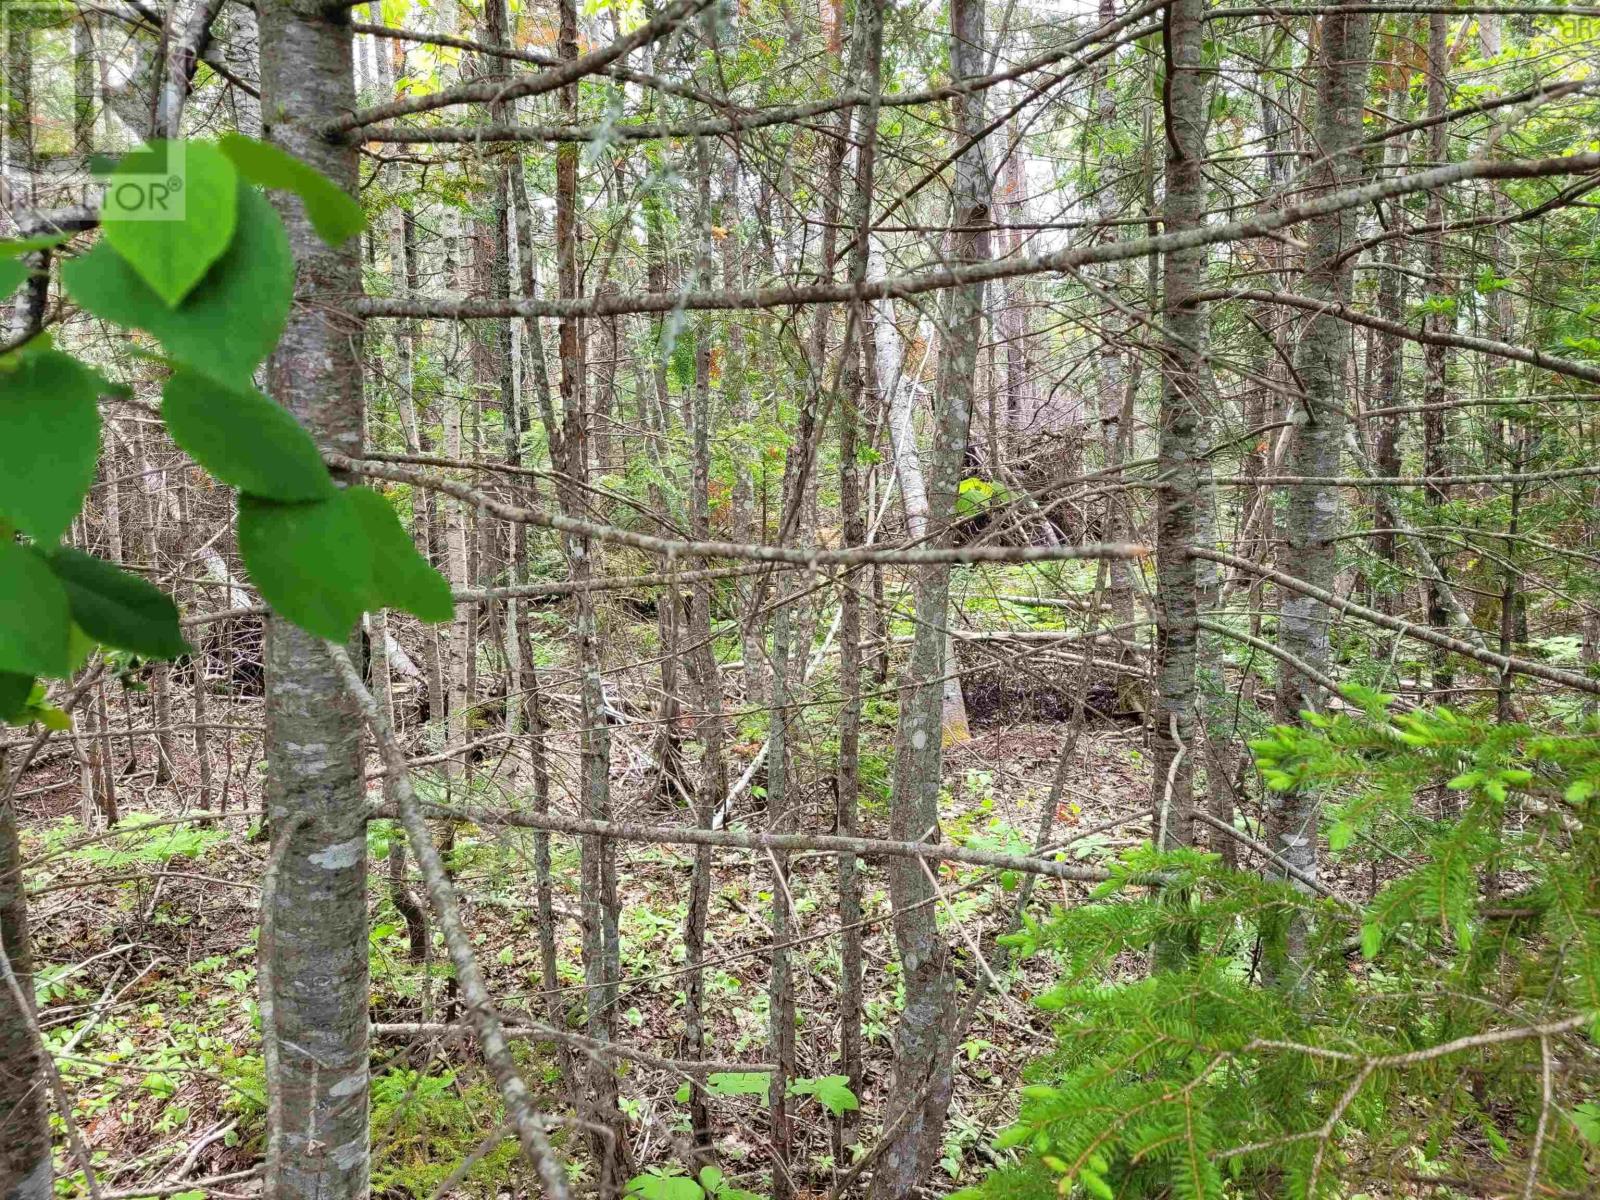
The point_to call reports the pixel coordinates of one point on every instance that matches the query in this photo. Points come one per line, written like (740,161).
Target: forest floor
(145,963)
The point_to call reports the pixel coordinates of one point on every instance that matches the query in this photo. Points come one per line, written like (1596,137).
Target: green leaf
(51,717)
(1586,1118)
(229,323)
(12,273)
(14,692)
(739,1083)
(34,619)
(170,211)
(651,1186)
(116,608)
(972,496)
(311,562)
(50,420)
(333,213)
(244,439)
(711,1180)
(401,577)
(831,1091)
(17,247)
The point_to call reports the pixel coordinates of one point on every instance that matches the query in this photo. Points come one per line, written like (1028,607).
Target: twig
(529,1124)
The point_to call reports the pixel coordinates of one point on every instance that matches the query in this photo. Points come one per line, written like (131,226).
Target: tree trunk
(923,1062)
(1183,404)
(315,798)
(868,69)
(1312,516)
(1436,359)
(25,1148)
(601,959)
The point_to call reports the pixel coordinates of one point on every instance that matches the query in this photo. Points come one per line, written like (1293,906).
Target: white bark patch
(918,740)
(350,1155)
(350,1085)
(310,757)
(340,855)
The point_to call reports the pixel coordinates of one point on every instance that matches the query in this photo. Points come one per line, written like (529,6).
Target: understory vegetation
(750,600)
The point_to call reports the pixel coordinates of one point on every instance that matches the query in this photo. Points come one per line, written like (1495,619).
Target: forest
(799,599)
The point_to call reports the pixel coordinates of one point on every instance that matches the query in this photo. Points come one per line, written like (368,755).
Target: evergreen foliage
(1418,1039)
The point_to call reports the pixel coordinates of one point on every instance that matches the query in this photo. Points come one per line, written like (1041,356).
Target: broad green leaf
(651,1186)
(50,420)
(401,577)
(12,273)
(831,1091)
(229,323)
(739,1083)
(334,214)
(116,608)
(311,562)
(711,1180)
(80,646)
(34,620)
(14,692)
(244,439)
(170,211)
(50,716)
(32,706)
(1586,1118)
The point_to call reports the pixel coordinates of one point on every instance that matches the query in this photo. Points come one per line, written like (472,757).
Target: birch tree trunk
(902,401)
(315,799)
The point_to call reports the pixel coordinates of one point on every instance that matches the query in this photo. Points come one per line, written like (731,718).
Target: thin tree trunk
(601,958)
(315,798)
(712,784)
(1111,382)
(1183,404)
(923,1059)
(1435,358)
(902,400)
(25,1146)
(868,69)
(1312,516)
